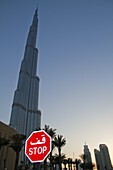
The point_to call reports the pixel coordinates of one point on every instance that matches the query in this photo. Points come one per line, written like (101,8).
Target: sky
(75,67)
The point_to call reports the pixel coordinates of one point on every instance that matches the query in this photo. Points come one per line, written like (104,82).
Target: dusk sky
(75,67)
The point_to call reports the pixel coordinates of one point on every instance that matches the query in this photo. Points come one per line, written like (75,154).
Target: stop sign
(38,146)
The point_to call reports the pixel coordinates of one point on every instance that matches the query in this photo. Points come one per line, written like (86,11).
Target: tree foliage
(3,142)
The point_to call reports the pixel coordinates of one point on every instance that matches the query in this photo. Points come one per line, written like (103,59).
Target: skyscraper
(25,116)
(98,160)
(103,158)
(87,155)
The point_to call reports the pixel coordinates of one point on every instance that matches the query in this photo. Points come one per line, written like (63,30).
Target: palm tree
(51,156)
(82,165)
(90,166)
(82,156)
(85,165)
(52,161)
(56,159)
(3,142)
(65,161)
(37,129)
(59,142)
(52,133)
(16,144)
(77,161)
(70,162)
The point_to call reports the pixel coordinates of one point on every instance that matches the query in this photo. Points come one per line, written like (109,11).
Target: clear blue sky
(75,66)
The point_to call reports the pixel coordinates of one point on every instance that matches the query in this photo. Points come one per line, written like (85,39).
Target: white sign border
(48,152)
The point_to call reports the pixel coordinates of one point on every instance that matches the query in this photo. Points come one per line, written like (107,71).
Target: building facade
(87,154)
(98,160)
(7,155)
(105,157)
(102,157)
(25,116)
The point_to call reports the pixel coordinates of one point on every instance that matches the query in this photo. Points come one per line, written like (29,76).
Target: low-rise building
(7,155)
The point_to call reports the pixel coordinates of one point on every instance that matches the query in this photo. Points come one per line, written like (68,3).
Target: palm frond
(16,142)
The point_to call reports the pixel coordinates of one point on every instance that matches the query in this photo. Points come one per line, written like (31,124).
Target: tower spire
(31,39)
(36,9)
(25,116)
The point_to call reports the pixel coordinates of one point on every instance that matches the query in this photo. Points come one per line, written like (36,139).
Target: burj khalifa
(25,116)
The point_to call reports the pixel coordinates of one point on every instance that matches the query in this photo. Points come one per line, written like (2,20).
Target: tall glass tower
(25,116)
(106,161)
(87,155)
(102,157)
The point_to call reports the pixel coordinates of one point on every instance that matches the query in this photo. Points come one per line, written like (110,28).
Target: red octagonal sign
(38,146)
